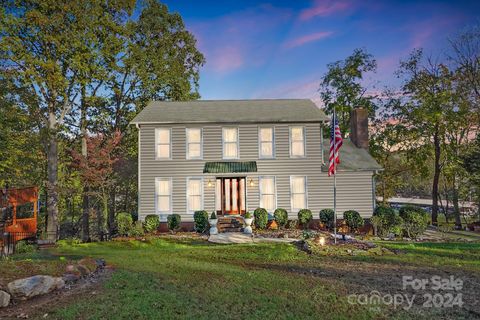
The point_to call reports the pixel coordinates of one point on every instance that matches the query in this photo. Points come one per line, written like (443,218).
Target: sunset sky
(280,49)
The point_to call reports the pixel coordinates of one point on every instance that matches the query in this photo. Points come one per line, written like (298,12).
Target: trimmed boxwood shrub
(281,217)
(386,220)
(304,217)
(353,219)
(415,220)
(326,217)
(261,218)
(173,222)
(137,229)
(152,221)
(201,221)
(213,216)
(124,223)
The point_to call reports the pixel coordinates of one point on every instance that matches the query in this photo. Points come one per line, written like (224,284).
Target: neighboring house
(234,156)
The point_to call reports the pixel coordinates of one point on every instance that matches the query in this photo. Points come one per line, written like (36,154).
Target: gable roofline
(231,111)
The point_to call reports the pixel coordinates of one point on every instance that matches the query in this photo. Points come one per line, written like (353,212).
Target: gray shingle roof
(228,111)
(352,158)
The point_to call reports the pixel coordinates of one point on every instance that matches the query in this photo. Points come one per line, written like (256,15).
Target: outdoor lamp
(209,182)
(251,182)
(322,241)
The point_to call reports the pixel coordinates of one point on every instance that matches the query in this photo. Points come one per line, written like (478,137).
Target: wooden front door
(230,195)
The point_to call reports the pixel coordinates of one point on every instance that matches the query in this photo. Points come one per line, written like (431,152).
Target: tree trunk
(436,177)
(456,207)
(111,212)
(85,197)
(52,174)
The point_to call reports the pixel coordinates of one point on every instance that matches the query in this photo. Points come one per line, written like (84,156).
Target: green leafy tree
(422,114)
(43,48)
(342,87)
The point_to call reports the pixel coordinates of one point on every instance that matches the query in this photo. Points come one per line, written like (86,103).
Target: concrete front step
(230,224)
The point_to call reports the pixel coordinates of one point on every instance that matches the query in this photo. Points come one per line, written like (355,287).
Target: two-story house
(233,156)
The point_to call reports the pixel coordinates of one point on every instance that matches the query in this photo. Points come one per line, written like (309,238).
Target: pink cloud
(227,59)
(239,39)
(300,41)
(305,88)
(325,8)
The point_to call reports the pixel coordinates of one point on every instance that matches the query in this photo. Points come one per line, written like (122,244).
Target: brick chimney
(359,127)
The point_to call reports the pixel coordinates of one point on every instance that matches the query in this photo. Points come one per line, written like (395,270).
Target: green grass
(191,279)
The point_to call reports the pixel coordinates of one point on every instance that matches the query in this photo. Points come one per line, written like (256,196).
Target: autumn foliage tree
(96,170)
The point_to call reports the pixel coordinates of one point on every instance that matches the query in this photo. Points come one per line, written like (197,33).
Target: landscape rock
(34,286)
(4,299)
(82,270)
(70,277)
(89,263)
(101,263)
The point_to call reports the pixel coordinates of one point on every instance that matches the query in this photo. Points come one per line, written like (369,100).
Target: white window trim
(295,210)
(202,196)
(260,156)
(304,142)
(274,190)
(169,144)
(187,143)
(156,195)
(238,144)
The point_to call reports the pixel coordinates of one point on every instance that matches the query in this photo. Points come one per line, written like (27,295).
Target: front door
(230,195)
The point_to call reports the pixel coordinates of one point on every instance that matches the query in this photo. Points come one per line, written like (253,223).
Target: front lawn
(191,279)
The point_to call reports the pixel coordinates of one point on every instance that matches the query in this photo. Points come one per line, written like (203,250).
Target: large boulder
(4,299)
(34,286)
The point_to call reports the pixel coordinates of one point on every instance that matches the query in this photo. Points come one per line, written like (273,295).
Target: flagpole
(334,179)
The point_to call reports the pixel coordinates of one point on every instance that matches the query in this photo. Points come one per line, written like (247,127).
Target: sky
(280,49)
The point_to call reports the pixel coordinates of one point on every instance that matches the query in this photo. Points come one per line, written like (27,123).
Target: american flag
(336,142)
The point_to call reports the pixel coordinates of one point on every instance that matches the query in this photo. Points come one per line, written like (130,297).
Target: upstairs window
(230,143)
(194,143)
(163,143)
(266,143)
(297,142)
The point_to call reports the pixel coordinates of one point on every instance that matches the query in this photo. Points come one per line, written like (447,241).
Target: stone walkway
(237,237)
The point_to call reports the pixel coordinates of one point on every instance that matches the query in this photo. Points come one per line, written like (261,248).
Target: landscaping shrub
(292,224)
(248,215)
(281,217)
(24,247)
(304,217)
(137,229)
(308,234)
(415,220)
(201,221)
(173,222)
(378,224)
(326,217)
(353,219)
(152,221)
(386,220)
(124,223)
(261,218)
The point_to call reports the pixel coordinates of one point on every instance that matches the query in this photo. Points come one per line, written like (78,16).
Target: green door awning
(230,167)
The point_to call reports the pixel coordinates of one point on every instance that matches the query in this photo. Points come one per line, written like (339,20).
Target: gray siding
(354,189)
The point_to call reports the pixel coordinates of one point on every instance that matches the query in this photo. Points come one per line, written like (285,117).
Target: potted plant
(213,223)
(248,219)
